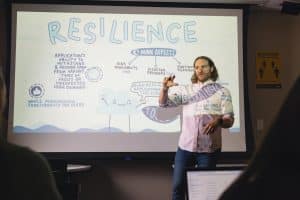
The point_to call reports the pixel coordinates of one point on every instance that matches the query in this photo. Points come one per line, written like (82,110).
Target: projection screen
(86,78)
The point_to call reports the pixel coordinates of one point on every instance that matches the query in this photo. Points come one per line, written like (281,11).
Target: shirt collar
(209,81)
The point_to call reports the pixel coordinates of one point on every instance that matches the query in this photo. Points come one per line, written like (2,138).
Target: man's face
(202,70)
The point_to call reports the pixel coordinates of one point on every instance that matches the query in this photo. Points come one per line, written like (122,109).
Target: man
(24,174)
(206,109)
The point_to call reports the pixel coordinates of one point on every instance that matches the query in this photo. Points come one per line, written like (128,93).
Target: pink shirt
(200,104)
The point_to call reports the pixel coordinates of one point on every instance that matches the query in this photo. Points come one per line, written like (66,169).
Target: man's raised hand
(169,82)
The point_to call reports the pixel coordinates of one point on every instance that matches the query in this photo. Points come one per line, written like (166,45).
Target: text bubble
(146,89)
(163,52)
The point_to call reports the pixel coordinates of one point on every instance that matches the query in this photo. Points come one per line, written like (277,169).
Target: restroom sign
(268,70)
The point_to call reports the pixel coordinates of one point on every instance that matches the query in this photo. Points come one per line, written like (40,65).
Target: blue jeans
(184,159)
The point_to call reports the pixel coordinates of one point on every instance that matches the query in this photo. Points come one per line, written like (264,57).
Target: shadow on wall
(97,184)
(125,180)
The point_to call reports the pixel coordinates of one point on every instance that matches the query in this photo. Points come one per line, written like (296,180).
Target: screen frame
(225,156)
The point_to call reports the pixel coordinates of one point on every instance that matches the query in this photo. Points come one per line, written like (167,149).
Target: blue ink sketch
(160,114)
(163,52)
(36,91)
(93,74)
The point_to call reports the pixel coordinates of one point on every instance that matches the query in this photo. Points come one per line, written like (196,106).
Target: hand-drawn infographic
(88,72)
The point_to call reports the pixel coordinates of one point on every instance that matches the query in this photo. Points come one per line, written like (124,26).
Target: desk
(77,168)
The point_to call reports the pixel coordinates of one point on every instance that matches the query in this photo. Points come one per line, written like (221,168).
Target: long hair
(214,74)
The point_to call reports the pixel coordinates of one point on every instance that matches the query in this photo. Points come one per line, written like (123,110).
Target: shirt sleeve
(226,103)
(178,95)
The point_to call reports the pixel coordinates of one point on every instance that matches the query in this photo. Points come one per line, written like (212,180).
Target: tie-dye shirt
(200,104)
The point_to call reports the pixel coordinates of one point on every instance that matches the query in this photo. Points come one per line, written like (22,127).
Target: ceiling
(270,4)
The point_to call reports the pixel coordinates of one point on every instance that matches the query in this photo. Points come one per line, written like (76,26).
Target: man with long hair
(206,109)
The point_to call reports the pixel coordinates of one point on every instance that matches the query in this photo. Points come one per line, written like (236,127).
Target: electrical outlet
(260,124)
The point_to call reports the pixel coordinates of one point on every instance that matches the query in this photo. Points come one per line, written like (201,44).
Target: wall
(151,180)
(3,31)
(126,180)
(3,57)
(270,30)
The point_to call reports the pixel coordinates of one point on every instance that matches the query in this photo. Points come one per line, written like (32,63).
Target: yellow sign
(268,66)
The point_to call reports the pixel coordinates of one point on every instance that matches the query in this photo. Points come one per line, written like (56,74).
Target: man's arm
(223,121)
(166,84)
(163,96)
(227,119)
